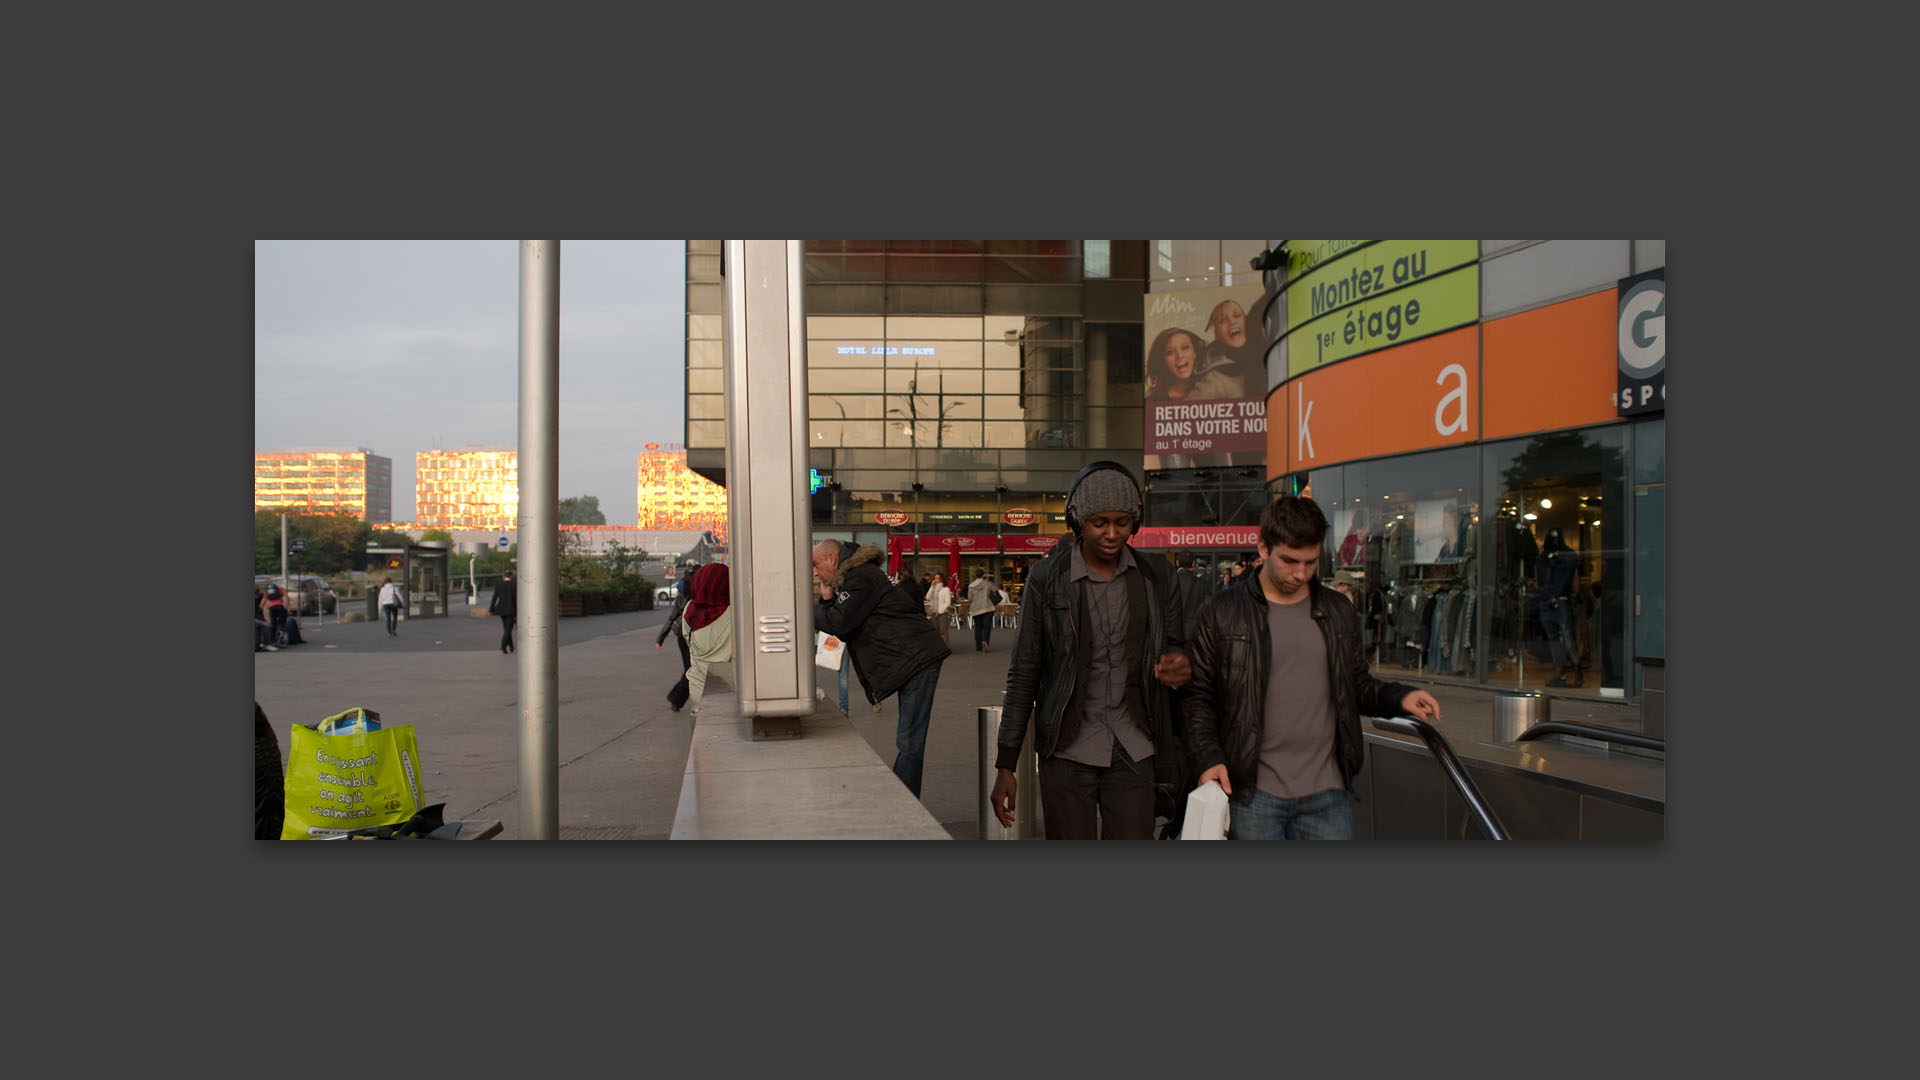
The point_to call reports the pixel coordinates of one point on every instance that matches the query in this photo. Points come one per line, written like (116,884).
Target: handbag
(828,650)
(355,774)
(1206,813)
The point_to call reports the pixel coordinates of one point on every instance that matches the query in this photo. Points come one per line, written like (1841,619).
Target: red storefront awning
(956,545)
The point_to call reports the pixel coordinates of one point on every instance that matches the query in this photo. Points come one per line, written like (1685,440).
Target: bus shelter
(421,571)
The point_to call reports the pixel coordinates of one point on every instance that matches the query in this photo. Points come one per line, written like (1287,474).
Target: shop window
(1403,535)
(1556,562)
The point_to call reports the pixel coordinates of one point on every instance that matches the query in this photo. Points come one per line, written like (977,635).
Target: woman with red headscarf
(708,627)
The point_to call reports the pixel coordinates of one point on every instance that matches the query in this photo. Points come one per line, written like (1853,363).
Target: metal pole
(283,556)
(539,561)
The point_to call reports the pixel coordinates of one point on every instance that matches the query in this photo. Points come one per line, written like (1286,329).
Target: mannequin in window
(1556,567)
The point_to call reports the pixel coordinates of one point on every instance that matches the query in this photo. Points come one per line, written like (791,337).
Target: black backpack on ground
(290,631)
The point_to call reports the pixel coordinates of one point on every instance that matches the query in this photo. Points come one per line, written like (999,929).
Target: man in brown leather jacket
(1279,682)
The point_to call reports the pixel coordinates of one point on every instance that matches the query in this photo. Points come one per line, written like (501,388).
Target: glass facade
(357,482)
(961,383)
(1460,464)
(956,387)
(672,496)
(467,489)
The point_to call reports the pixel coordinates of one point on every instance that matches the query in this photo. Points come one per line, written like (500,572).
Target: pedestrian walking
(505,605)
(677,695)
(893,649)
(1102,638)
(389,601)
(1280,681)
(708,625)
(980,602)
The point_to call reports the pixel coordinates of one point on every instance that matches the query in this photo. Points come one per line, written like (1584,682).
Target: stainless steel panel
(1514,713)
(768,511)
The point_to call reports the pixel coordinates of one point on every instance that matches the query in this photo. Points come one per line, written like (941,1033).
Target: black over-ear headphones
(1139,508)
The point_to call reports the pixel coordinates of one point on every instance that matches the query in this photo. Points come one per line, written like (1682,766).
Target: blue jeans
(843,678)
(393,616)
(916,710)
(1325,815)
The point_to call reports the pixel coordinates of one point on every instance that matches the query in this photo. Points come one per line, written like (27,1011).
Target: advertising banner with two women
(1206,378)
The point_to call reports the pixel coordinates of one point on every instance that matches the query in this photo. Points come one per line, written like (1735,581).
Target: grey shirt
(1296,735)
(1099,694)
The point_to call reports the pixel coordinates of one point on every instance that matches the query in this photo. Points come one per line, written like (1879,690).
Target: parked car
(307,594)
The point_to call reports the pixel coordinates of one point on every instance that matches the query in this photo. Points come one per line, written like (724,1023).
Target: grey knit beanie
(1103,490)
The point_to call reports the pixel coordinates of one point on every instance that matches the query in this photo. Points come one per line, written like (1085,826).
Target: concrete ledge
(828,785)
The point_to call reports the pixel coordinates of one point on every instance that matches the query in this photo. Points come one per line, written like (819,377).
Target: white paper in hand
(827,650)
(1206,813)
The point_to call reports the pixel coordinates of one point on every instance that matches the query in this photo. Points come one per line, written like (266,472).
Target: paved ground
(622,749)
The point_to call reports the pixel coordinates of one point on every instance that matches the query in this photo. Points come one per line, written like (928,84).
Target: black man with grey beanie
(1101,641)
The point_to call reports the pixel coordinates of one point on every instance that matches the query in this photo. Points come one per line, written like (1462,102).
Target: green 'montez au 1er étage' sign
(1387,293)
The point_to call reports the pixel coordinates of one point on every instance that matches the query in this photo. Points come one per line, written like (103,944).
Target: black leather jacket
(1231,651)
(887,635)
(1041,676)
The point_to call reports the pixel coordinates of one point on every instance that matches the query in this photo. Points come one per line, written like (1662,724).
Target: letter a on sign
(1304,450)
(1457,397)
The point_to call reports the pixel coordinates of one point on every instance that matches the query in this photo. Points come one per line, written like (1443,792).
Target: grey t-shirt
(1296,737)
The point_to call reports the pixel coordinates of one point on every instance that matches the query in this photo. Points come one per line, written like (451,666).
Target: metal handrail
(1593,731)
(1442,752)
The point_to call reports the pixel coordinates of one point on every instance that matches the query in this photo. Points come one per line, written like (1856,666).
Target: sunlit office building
(474,488)
(357,482)
(672,496)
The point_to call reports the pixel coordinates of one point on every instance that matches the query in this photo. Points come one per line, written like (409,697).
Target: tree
(440,536)
(334,542)
(581,510)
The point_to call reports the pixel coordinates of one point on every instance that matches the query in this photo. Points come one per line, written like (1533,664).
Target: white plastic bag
(1206,813)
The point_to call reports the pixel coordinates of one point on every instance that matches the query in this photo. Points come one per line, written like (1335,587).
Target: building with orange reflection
(672,496)
(473,488)
(357,482)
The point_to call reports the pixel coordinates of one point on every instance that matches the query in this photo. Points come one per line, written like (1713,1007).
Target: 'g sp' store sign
(1373,295)
(1643,343)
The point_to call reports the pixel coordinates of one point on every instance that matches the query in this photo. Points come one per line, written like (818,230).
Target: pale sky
(401,346)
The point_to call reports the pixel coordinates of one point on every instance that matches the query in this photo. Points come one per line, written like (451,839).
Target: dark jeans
(678,693)
(1557,620)
(506,633)
(279,616)
(1082,802)
(393,616)
(982,630)
(916,709)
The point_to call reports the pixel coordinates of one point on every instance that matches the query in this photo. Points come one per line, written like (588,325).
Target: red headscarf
(711,594)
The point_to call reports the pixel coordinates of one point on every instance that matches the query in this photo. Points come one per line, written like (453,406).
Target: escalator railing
(1594,731)
(1442,752)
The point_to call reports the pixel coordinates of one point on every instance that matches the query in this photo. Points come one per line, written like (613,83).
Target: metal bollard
(1026,795)
(1515,712)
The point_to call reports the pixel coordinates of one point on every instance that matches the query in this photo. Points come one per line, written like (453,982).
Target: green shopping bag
(346,773)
